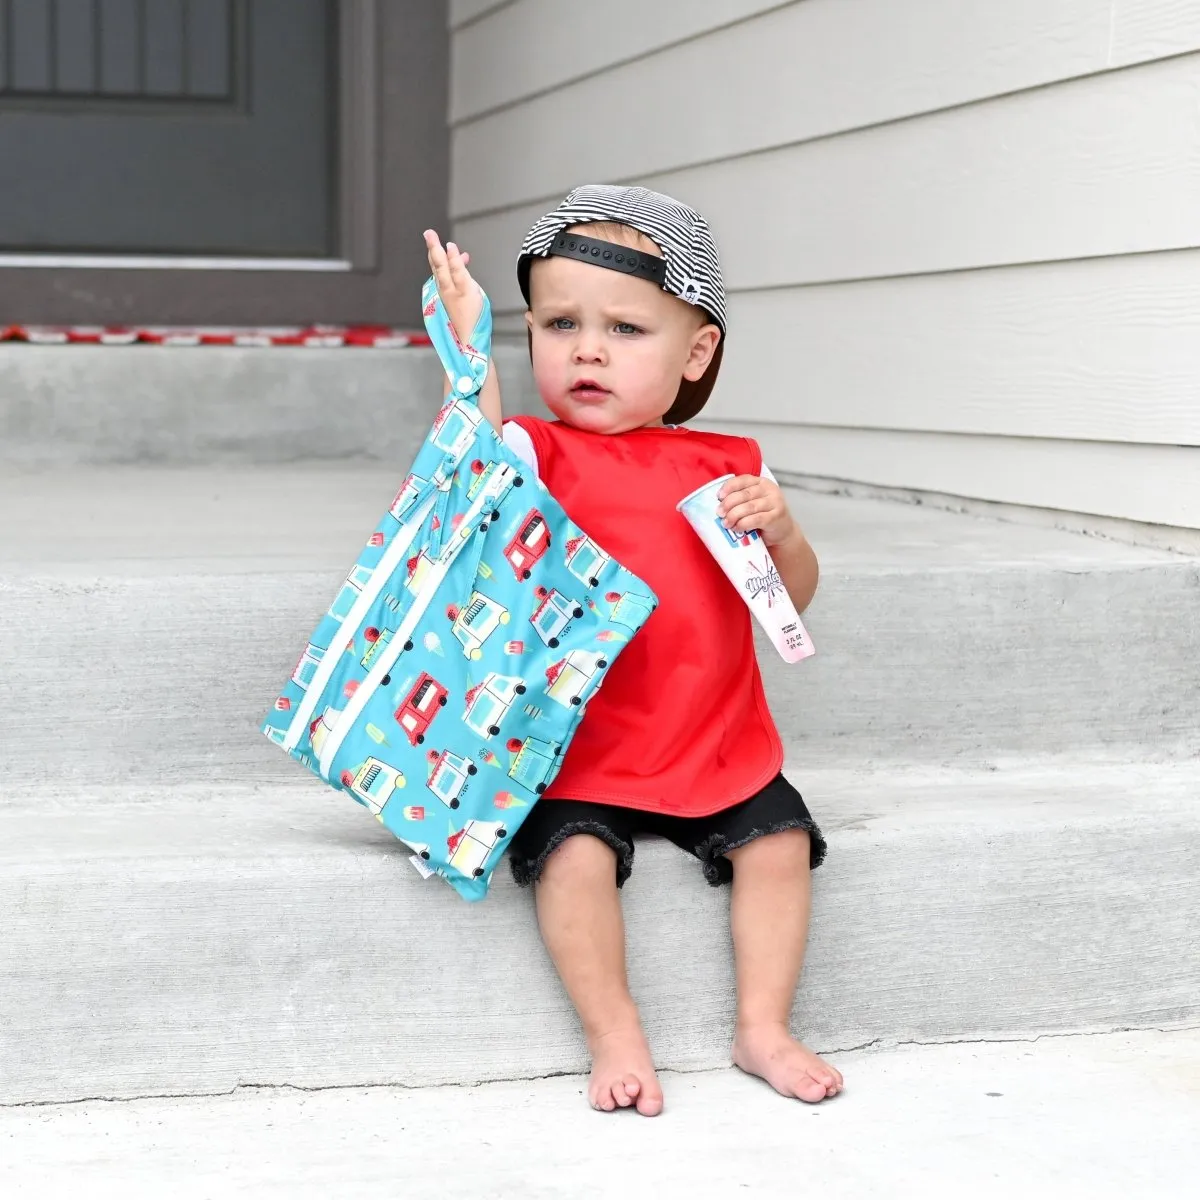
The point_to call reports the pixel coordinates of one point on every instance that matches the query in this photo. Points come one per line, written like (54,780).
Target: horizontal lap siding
(1107,349)
(952,215)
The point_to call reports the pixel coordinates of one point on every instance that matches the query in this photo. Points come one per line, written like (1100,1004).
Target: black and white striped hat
(690,267)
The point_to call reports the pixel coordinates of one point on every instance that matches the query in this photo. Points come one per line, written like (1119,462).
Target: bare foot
(791,1068)
(623,1073)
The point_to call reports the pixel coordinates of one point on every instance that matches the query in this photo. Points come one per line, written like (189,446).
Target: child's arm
(752,502)
(462,299)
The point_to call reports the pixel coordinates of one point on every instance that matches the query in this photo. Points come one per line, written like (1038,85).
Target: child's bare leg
(579,912)
(772,895)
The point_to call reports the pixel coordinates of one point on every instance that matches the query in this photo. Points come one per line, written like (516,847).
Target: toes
(602,1099)
(650,1102)
(623,1096)
(805,1087)
(632,1085)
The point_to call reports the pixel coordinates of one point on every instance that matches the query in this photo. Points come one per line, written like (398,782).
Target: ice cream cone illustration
(505,800)
(433,643)
(489,758)
(350,688)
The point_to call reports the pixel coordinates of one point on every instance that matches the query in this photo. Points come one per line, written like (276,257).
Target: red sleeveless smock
(681,724)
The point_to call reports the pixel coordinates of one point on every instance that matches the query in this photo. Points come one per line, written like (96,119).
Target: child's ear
(704,346)
(529,320)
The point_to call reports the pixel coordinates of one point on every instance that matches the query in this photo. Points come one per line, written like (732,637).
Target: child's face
(609,350)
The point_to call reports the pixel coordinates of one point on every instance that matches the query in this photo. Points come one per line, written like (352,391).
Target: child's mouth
(588,389)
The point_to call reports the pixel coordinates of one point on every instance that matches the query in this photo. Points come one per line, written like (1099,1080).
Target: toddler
(626,320)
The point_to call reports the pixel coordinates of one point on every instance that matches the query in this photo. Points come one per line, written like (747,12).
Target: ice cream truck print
(322,727)
(534,763)
(570,679)
(351,590)
(488,703)
(477,622)
(406,496)
(585,560)
(531,542)
(454,427)
(553,615)
(374,784)
(307,665)
(631,610)
(377,640)
(448,774)
(470,846)
(420,706)
(419,567)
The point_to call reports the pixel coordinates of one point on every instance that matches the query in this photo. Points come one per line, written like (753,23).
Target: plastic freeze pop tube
(747,562)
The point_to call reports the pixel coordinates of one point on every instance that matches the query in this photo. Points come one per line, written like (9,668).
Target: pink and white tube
(747,563)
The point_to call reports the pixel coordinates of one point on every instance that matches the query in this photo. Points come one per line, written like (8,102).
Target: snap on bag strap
(465,363)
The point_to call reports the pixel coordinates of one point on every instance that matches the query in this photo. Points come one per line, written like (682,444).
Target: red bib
(681,725)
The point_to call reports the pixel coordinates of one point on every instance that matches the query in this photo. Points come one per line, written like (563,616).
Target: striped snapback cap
(690,267)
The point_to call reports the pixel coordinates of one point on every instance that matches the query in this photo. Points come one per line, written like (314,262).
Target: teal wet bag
(443,685)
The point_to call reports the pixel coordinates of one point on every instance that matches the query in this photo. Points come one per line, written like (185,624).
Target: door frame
(391,182)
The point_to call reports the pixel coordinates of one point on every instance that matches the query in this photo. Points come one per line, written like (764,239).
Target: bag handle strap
(465,363)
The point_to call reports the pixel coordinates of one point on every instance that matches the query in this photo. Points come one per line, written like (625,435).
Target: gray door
(168,127)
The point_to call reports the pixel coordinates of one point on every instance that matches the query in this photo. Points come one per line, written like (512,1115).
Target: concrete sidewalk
(1058,1117)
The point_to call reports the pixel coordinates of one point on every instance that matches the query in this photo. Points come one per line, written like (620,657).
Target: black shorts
(776,808)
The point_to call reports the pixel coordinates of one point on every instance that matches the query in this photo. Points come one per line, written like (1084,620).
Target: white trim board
(1156,484)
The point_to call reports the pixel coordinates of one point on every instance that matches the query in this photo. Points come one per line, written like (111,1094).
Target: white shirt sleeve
(521,444)
(766,473)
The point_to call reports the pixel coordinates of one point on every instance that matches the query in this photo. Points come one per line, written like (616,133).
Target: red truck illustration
(420,706)
(532,540)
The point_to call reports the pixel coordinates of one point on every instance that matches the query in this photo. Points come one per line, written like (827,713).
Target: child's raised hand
(752,502)
(461,296)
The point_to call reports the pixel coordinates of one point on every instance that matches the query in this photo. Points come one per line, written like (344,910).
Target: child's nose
(589,348)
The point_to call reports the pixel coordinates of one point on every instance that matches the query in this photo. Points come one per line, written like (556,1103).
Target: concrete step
(1104,1117)
(65,405)
(200,937)
(148,617)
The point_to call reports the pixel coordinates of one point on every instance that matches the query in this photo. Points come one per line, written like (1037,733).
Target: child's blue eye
(563,323)
(625,327)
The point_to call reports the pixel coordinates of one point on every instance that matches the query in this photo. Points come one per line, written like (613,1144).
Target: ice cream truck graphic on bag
(553,615)
(351,590)
(470,847)
(420,706)
(307,664)
(406,497)
(321,728)
(454,427)
(448,775)
(377,641)
(535,762)
(419,567)
(571,679)
(374,783)
(489,702)
(475,623)
(585,560)
(629,609)
(531,541)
